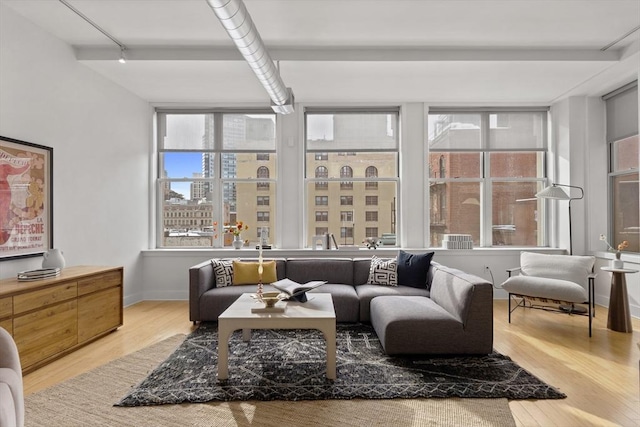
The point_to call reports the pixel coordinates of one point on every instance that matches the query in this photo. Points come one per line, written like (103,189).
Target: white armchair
(11,390)
(564,280)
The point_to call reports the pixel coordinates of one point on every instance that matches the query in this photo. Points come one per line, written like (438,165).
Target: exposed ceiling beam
(313,53)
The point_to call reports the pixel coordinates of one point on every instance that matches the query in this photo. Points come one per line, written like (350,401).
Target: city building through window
(214,169)
(350,152)
(484,169)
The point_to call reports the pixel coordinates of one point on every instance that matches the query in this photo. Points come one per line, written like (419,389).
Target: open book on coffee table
(296,291)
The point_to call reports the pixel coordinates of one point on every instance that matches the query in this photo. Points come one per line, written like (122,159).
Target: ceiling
(446,52)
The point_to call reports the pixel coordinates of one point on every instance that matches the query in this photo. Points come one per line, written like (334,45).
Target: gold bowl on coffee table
(270,298)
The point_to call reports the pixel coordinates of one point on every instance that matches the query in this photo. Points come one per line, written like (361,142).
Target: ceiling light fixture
(238,23)
(122,47)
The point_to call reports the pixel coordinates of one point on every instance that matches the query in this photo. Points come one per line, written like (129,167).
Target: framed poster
(26,199)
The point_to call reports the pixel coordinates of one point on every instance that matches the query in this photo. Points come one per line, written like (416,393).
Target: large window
(484,169)
(624,182)
(214,168)
(349,151)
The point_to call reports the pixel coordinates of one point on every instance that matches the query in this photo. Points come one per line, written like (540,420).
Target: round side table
(619,315)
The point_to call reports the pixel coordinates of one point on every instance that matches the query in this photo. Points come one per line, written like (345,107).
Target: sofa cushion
(361,268)
(366,293)
(383,272)
(413,268)
(417,325)
(223,270)
(332,270)
(216,300)
(345,300)
(246,273)
(542,287)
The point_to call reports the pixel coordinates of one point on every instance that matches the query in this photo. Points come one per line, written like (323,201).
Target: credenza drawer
(46,332)
(98,283)
(7,324)
(98,313)
(44,297)
(6,307)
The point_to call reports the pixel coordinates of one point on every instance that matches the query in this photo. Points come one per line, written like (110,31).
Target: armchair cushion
(571,268)
(11,386)
(543,287)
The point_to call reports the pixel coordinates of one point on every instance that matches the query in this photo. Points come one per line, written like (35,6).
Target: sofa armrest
(467,297)
(201,279)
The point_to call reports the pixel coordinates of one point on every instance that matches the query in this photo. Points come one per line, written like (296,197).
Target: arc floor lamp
(555,192)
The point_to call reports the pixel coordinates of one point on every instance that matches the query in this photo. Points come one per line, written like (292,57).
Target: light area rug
(87,400)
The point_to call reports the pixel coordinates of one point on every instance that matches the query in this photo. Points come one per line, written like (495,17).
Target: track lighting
(122,47)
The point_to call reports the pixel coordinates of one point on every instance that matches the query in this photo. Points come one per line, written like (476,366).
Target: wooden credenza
(52,317)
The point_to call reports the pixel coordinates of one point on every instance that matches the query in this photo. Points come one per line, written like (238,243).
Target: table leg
(224,332)
(330,338)
(246,334)
(619,315)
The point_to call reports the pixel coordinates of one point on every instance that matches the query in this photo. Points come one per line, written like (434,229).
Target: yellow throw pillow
(246,273)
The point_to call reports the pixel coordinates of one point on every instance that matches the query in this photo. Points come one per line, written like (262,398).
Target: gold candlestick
(260,270)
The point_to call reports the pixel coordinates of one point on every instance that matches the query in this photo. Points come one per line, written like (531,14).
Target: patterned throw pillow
(383,272)
(223,269)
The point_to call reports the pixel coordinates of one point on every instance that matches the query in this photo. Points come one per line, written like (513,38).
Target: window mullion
(486,191)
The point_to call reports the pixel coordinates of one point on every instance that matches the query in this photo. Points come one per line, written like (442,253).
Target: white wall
(100,136)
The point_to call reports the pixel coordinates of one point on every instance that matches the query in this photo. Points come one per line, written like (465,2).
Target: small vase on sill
(237,241)
(617,262)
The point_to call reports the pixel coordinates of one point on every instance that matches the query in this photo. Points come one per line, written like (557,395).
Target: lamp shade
(553,192)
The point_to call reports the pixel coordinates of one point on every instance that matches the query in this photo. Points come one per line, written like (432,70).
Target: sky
(182,165)
(188,128)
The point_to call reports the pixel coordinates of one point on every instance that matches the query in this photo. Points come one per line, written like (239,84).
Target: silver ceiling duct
(236,20)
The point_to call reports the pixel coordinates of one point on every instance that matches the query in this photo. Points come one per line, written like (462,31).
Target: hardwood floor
(598,374)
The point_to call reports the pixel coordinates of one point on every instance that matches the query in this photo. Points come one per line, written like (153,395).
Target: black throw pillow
(413,268)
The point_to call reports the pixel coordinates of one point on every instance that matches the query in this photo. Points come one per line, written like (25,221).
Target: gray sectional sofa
(451,314)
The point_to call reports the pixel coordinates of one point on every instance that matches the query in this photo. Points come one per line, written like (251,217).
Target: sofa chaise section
(457,318)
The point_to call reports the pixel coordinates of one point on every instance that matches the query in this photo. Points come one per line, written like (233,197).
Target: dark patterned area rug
(290,365)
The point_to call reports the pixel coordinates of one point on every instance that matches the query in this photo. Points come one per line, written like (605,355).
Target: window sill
(626,257)
(348,253)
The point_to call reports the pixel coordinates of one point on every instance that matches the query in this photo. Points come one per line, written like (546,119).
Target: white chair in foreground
(564,280)
(11,391)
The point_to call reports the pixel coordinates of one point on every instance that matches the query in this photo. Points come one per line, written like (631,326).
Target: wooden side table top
(618,270)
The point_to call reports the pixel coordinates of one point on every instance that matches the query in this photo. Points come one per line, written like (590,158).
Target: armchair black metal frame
(525,301)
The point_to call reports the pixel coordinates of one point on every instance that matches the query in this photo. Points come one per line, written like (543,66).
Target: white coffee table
(316,313)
